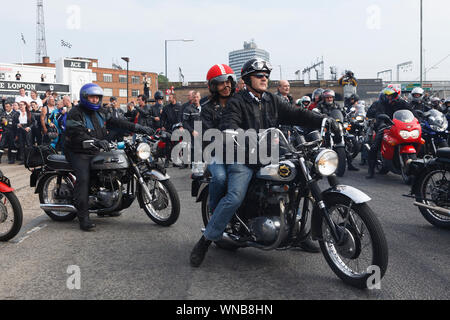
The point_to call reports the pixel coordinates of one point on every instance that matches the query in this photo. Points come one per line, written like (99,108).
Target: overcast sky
(364,36)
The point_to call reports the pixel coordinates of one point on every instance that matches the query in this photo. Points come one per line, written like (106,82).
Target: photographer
(349,82)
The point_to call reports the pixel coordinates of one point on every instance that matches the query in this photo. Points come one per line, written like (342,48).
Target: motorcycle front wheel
(434,191)
(342,164)
(363,251)
(11,216)
(164,206)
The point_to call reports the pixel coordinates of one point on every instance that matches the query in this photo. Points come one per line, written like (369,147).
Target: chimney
(46,60)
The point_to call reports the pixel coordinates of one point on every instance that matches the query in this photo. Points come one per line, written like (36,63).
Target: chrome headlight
(359,118)
(327,162)
(144,151)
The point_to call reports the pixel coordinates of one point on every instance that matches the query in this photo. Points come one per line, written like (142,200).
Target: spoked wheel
(11,216)
(342,164)
(435,191)
(52,194)
(206,216)
(164,205)
(364,247)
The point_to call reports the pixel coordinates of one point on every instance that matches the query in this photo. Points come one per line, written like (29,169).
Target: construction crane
(41,44)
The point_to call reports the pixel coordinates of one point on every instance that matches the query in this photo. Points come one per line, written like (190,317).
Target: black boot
(351,167)
(11,157)
(371,169)
(309,245)
(199,252)
(86,223)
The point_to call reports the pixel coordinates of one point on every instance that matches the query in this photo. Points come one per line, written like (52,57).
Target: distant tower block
(41,44)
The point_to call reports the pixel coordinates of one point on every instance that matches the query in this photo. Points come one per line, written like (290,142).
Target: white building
(239,57)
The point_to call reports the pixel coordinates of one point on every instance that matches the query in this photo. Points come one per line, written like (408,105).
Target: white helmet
(416,91)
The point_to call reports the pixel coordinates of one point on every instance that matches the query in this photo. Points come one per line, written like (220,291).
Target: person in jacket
(87,121)
(8,124)
(251,108)
(169,120)
(24,125)
(388,104)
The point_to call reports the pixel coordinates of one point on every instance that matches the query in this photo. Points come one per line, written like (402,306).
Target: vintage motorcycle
(402,141)
(11,215)
(118,177)
(283,197)
(431,187)
(356,128)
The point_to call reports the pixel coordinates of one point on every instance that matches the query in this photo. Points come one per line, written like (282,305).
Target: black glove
(144,130)
(102,144)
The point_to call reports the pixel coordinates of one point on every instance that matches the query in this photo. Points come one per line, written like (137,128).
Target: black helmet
(159,95)
(354,97)
(255,65)
(317,92)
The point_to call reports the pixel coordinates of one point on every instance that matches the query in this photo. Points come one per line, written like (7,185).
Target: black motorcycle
(431,187)
(355,125)
(281,199)
(118,177)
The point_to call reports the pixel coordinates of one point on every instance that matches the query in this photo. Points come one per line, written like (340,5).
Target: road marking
(32,227)
(28,234)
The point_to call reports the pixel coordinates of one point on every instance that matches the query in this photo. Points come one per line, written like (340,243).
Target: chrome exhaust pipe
(444,211)
(58,207)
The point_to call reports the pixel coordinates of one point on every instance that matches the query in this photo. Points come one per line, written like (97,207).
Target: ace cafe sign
(75,64)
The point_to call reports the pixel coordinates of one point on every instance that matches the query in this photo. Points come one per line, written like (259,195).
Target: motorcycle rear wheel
(365,249)
(10,222)
(46,196)
(432,183)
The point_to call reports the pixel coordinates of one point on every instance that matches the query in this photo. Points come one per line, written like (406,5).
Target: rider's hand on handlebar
(334,127)
(102,144)
(144,130)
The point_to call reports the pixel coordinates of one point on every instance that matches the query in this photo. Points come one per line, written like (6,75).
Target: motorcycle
(431,187)
(11,215)
(281,199)
(402,140)
(118,177)
(356,128)
(434,131)
(337,143)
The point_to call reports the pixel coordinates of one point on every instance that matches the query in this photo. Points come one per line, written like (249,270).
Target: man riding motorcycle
(316,98)
(325,107)
(388,103)
(88,121)
(416,99)
(250,108)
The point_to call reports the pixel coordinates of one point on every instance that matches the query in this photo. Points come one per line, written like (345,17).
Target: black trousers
(81,164)
(376,144)
(23,142)
(8,141)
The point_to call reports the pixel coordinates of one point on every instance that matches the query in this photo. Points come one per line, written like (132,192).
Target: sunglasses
(261,75)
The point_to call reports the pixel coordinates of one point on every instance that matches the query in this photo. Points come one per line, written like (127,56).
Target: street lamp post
(165,55)
(127,61)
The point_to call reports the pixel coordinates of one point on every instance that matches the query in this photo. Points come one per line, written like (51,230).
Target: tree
(163,81)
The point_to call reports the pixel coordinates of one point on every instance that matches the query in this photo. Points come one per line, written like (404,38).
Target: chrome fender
(356,195)
(155,174)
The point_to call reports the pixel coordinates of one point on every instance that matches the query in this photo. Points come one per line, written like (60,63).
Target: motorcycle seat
(58,162)
(443,153)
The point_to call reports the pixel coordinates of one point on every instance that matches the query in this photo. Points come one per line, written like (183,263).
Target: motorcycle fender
(202,192)
(41,181)
(4,188)
(154,174)
(354,195)
(407,150)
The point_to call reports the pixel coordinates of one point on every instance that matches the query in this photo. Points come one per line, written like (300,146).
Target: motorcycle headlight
(327,162)
(144,151)
(359,118)
(404,134)
(345,125)
(415,134)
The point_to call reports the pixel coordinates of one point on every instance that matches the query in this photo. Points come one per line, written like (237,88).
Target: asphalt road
(130,257)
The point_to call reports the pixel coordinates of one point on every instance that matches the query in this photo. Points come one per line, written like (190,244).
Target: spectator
(35,98)
(116,113)
(131,113)
(240,85)
(144,112)
(46,123)
(7,119)
(18,76)
(283,91)
(36,131)
(24,130)
(189,102)
(48,93)
(43,77)
(15,106)
(349,82)
(23,97)
(191,114)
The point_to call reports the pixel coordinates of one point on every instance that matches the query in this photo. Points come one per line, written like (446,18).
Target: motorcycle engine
(104,198)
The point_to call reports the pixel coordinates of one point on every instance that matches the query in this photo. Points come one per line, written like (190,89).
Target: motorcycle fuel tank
(113,160)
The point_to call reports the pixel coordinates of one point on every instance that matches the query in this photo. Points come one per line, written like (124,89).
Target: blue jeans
(239,177)
(217,185)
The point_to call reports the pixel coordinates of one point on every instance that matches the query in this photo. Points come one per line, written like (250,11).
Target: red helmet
(220,73)
(397,90)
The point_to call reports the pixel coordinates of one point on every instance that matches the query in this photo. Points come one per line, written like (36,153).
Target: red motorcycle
(402,141)
(10,210)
